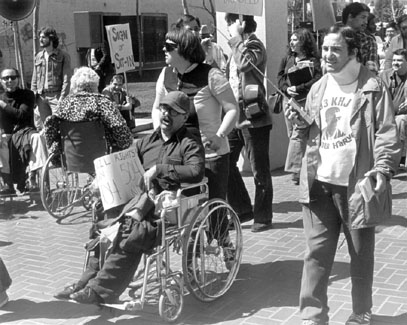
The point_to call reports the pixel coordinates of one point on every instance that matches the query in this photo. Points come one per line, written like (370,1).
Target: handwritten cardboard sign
(244,7)
(120,47)
(118,176)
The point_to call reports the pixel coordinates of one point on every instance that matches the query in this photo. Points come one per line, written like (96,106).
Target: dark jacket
(247,54)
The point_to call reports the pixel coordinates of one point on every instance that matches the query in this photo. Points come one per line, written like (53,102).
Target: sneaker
(359,319)
(67,291)
(87,296)
(258,227)
(3,298)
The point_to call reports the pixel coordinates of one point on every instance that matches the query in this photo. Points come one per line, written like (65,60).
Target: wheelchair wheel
(211,252)
(59,189)
(171,302)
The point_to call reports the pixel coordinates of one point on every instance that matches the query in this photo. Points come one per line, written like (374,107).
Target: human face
(193,27)
(359,22)
(9,80)
(170,120)
(171,53)
(371,27)
(44,41)
(335,53)
(295,44)
(403,28)
(117,84)
(399,64)
(390,32)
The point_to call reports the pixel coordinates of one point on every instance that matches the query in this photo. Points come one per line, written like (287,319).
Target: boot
(8,188)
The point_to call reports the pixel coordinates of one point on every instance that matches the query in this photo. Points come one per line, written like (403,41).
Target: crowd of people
(345,109)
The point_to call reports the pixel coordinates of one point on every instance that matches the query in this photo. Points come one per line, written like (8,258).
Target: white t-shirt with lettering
(338,147)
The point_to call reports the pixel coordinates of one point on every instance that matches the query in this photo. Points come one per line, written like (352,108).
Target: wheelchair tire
(171,302)
(58,189)
(211,252)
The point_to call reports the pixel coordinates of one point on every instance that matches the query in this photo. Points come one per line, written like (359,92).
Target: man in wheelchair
(21,146)
(171,155)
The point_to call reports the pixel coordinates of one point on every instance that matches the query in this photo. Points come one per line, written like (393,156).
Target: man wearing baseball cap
(171,155)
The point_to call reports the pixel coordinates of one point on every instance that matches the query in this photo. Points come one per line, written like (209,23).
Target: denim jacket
(59,73)
(377,144)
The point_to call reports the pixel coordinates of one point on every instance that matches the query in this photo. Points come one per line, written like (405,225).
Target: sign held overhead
(241,7)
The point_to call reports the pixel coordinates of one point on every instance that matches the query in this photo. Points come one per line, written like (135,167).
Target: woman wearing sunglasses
(213,110)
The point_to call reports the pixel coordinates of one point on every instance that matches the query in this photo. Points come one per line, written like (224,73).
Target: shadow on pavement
(287,206)
(257,287)
(387,320)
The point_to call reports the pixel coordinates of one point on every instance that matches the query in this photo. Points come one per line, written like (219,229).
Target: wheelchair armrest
(187,186)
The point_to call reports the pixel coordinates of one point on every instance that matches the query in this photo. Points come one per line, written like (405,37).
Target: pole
(17,47)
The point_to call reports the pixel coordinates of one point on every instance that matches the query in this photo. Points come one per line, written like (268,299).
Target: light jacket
(377,144)
(59,73)
(246,54)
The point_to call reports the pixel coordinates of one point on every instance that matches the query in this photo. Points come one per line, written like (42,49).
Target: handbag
(275,102)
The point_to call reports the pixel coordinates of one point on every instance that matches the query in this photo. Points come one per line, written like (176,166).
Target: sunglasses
(5,78)
(169,47)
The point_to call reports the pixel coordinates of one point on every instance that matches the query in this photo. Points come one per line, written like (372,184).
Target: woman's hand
(213,143)
(380,180)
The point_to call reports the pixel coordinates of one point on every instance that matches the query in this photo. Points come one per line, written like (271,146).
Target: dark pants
(323,218)
(256,142)
(5,280)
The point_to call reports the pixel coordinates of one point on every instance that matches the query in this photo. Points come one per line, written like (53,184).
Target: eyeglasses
(169,47)
(5,78)
(168,110)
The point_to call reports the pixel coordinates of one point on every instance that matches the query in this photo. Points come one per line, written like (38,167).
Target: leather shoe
(67,291)
(87,296)
(258,227)
(7,191)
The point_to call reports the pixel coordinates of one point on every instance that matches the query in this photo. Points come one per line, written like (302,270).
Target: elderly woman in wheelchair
(171,155)
(21,146)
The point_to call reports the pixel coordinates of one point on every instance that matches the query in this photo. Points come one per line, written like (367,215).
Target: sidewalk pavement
(43,255)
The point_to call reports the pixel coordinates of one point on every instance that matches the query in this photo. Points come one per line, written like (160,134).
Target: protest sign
(244,7)
(120,47)
(322,14)
(118,176)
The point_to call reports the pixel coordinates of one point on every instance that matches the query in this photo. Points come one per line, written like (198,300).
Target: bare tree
(185,6)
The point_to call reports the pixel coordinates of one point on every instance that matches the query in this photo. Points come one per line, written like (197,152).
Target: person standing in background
(99,60)
(51,74)
(245,72)
(397,42)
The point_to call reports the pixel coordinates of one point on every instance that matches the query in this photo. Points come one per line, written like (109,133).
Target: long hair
(307,41)
(51,34)
(188,45)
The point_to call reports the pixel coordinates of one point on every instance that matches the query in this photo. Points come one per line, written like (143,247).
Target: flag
(322,14)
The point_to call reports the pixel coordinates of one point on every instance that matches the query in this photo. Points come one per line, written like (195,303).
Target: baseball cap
(178,101)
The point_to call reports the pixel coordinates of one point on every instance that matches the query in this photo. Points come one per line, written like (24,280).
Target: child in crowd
(124,103)
(5,282)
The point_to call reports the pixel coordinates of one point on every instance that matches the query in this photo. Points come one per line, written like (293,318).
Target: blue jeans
(323,218)
(256,142)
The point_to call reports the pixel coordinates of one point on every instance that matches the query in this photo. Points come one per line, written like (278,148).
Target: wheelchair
(195,238)
(66,178)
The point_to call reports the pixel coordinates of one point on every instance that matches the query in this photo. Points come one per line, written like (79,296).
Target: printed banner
(120,47)
(243,7)
(118,176)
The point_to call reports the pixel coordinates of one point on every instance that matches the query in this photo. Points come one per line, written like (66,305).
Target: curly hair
(307,41)
(84,79)
(51,34)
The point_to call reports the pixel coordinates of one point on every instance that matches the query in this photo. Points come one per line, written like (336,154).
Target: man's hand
(149,176)
(3,104)
(402,110)
(380,180)
(236,29)
(292,91)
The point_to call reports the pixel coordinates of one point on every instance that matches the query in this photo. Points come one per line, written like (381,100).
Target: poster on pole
(120,47)
(241,7)
(118,176)
(322,14)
